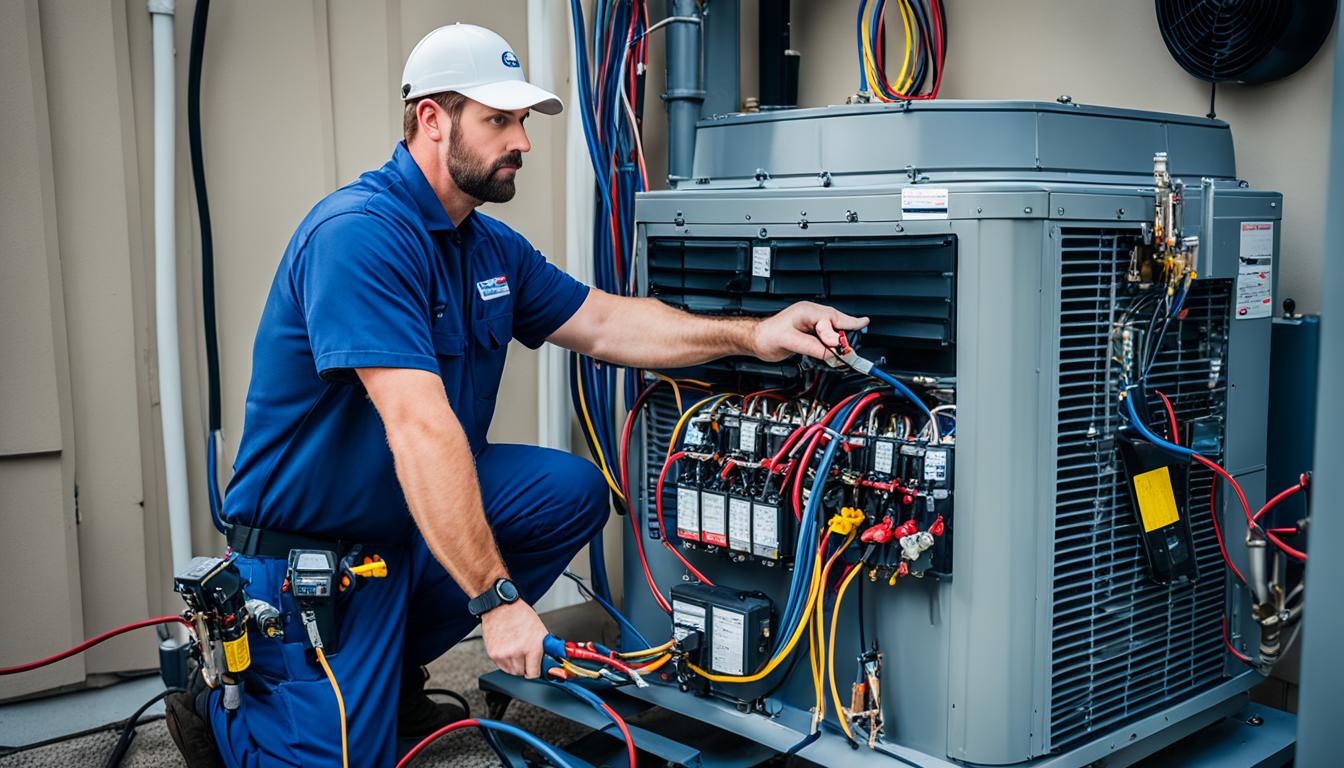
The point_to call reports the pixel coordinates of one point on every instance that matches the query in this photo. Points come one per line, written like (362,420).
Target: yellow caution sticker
(1157,501)
(237,654)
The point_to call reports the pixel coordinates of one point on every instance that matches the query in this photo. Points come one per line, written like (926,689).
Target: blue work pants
(543,506)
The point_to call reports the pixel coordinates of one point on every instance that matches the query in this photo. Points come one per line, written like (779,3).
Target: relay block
(738,481)
(723,630)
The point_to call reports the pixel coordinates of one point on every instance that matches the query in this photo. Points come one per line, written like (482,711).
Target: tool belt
(268,542)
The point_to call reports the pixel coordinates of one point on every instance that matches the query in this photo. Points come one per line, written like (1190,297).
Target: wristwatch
(501,592)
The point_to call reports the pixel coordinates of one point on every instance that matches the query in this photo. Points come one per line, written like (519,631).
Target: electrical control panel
(1008,261)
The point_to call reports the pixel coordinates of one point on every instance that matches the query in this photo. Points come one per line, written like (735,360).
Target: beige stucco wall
(298,99)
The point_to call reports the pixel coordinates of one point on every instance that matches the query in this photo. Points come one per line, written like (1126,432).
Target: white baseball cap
(476,63)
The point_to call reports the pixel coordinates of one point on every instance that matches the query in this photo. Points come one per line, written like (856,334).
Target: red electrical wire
(1285,531)
(625,733)
(1175,436)
(625,488)
(658,504)
(1213,514)
(1228,643)
(1274,502)
(87,644)
(431,738)
(575,651)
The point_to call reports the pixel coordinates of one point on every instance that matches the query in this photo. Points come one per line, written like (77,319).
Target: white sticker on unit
(923,203)
(686,618)
(1255,271)
(935,465)
(882,456)
(712,518)
(739,524)
(746,440)
(728,641)
(760,261)
(688,510)
(765,530)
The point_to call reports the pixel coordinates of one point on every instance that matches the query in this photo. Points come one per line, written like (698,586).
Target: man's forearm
(438,477)
(646,333)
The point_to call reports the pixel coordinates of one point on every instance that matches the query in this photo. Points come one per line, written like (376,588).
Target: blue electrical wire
(591,699)
(597,567)
(546,750)
(1148,433)
(901,389)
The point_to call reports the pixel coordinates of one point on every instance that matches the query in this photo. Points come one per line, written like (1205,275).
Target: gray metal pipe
(684,93)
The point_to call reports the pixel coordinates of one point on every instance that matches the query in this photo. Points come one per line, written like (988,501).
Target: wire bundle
(921,71)
(619,51)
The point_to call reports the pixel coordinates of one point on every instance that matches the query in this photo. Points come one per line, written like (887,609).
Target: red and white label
(1255,271)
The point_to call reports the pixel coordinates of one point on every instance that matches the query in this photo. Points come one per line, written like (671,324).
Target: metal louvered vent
(660,416)
(1123,646)
(907,285)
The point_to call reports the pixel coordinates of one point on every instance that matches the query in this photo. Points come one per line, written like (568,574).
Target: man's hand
(513,633)
(804,328)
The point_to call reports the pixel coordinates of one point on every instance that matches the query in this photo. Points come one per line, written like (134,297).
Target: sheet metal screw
(1255,721)
(851,216)
(762,233)
(1059,211)
(1027,209)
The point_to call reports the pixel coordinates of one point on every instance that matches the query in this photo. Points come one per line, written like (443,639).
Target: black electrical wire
(211,333)
(128,730)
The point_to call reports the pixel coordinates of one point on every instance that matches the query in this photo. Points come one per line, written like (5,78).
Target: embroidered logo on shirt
(493,288)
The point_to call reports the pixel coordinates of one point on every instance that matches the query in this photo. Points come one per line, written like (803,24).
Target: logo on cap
(509,59)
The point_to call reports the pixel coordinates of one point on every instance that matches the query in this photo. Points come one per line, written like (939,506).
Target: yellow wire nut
(340,704)
(846,521)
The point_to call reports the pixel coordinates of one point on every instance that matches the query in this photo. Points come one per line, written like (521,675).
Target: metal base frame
(670,726)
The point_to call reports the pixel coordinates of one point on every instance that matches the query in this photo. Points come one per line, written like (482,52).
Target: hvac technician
(374,376)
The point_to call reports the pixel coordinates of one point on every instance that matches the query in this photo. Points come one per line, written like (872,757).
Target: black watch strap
(503,591)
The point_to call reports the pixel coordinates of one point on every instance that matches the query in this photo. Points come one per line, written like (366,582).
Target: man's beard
(476,177)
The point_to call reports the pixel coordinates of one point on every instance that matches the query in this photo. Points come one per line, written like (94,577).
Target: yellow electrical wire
(907,62)
(575,669)
(819,636)
(597,446)
(340,704)
(654,651)
(830,651)
(869,57)
(653,666)
(788,647)
(685,416)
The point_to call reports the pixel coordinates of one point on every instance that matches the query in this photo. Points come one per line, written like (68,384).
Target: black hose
(198,22)
(128,730)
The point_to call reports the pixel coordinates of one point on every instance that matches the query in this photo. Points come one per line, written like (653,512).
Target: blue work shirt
(378,276)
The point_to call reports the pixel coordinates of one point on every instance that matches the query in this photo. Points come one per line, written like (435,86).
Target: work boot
(417,714)
(187,716)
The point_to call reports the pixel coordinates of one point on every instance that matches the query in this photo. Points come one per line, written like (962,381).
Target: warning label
(923,203)
(1255,275)
(728,642)
(739,524)
(713,522)
(760,261)
(1157,501)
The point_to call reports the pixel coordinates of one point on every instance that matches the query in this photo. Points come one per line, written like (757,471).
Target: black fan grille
(1221,40)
